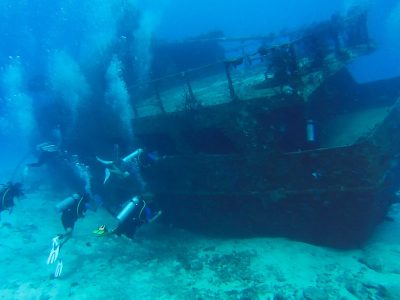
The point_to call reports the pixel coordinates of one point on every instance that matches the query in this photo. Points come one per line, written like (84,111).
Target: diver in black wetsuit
(131,217)
(72,209)
(7,194)
(134,214)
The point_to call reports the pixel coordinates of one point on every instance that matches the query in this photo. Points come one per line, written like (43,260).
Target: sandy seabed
(169,263)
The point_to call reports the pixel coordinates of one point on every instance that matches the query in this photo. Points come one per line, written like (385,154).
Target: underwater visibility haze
(173,149)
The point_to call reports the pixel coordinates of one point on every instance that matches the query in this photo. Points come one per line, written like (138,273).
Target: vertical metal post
(158,97)
(116,152)
(230,83)
(189,86)
(190,101)
(245,57)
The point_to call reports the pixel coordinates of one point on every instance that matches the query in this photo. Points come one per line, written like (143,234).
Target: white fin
(104,162)
(107,175)
(59,268)
(55,250)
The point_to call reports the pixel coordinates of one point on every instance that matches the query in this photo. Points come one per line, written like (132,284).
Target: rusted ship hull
(280,142)
(332,196)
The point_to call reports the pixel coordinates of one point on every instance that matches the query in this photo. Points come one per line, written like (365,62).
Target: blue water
(59,45)
(68,68)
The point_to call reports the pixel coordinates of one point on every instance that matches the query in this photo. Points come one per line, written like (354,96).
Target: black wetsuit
(139,215)
(73,212)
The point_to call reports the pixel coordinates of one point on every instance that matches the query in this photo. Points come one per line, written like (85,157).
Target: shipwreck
(272,136)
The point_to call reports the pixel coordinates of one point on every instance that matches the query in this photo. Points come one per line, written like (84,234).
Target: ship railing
(256,67)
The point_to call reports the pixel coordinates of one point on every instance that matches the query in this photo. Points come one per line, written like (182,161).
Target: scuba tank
(67,202)
(128,209)
(132,156)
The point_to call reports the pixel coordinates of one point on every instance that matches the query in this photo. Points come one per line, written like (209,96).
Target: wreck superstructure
(277,139)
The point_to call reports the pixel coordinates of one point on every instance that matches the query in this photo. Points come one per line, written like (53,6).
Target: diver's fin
(50,148)
(59,268)
(106,175)
(55,250)
(101,231)
(104,162)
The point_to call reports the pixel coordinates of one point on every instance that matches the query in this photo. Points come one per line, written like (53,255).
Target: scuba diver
(72,209)
(64,163)
(7,194)
(47,152)
(135,213)
(129,165)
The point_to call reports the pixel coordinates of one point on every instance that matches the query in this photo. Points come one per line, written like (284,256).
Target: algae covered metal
(278,140)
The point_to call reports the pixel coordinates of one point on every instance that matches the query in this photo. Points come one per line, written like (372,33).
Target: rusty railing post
(230,83)
(190,101)
(158,97)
